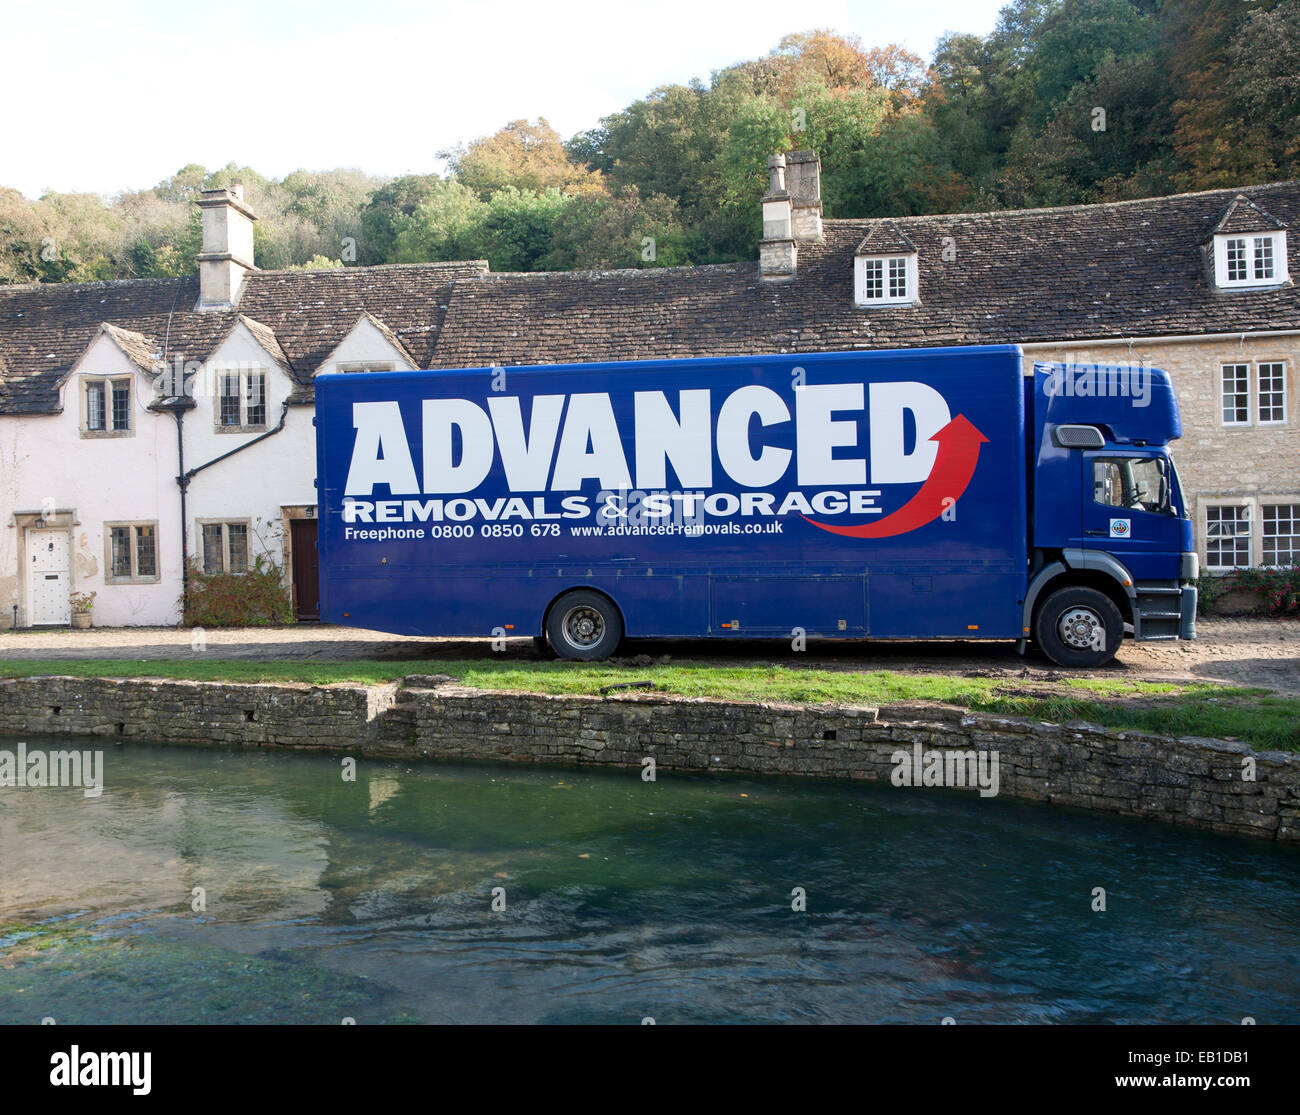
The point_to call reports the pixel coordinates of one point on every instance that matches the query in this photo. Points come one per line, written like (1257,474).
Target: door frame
(288,513)
(67,536)
(61,518)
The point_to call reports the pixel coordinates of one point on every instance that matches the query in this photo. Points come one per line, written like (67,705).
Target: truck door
(1130,512)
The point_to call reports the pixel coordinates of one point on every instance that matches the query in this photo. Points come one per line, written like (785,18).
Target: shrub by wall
(252,599)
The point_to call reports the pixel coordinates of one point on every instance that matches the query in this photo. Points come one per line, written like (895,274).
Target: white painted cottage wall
(133,479)
(102,480)
(256,483)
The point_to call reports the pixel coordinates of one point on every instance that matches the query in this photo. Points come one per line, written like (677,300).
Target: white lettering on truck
(587,444)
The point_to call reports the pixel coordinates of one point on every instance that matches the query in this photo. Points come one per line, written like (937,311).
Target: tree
(527,155)
(444,225)
(389,211)
(515,231)
(597,232)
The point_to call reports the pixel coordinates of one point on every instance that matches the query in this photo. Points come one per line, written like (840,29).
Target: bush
(251,599)
(1208,590)
(1277,589)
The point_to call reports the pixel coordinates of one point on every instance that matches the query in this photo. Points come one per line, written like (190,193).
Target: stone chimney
(227,255)
(804,179)
(777,254)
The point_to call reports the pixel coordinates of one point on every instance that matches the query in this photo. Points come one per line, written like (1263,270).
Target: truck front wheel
(584,625)
(1079,627)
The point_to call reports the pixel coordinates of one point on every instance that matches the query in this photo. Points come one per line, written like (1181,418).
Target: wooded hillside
(1065,101)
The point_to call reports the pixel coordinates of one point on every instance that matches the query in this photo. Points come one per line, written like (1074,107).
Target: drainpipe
(185,477)
(183,484)
(178,407)
(184,481)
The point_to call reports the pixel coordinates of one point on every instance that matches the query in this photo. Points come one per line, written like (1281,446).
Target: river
(207,885)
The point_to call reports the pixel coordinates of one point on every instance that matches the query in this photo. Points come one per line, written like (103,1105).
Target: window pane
(1236,261)
(1227,537)
(120,544)
(94,406)
(1236,393)
(1263,257)
(237,535)
(1139,484)
(146,552)
(1281,534)
(121,404)
(898,278)
(256,399)
(230,400)
(1272,392)
(1106,484)
(875,284)
(212,548)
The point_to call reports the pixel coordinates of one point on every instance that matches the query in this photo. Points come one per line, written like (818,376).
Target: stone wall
(1197,782)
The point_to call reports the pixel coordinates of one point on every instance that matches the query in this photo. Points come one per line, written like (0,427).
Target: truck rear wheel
(1079,627)
(584,625)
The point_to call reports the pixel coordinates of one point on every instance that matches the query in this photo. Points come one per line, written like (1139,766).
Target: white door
(48,580)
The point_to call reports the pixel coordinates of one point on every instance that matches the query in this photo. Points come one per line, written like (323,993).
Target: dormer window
(1249,247)
(885,280)
(1250,260)
(884,267)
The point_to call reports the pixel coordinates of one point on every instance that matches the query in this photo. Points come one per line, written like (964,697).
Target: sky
(110,97)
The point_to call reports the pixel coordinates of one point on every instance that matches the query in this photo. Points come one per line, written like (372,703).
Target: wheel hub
(1082,629)
(584,627)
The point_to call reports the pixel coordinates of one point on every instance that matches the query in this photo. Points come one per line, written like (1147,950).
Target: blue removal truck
(908,494)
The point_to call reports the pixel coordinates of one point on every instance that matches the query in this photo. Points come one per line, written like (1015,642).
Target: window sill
(132,580)
(91,435)
(240,429)
(1265,284)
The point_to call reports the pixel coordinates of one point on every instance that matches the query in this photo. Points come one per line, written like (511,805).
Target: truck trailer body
(912,494)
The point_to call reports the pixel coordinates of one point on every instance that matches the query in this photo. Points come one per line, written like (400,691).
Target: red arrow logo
(959,452)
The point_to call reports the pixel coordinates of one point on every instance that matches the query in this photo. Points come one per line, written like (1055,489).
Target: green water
(373,900)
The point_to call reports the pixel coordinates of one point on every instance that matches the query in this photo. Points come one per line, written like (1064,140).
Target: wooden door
(306,571)
(48,579)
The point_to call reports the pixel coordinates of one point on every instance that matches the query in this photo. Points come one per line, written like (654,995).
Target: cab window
(1132,483)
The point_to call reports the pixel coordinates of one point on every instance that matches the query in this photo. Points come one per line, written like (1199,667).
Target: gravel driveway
(1259,652)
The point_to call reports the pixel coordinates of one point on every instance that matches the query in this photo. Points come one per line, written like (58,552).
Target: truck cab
(1110,537)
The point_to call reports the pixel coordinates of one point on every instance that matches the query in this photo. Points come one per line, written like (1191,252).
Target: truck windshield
(1134,483)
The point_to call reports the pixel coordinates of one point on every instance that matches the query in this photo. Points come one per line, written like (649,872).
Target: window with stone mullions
(108,405)
(256,394)
(121,538)
(121,394)
(133,552)
(225,547)
(96,415)
(230,415)
(213,552)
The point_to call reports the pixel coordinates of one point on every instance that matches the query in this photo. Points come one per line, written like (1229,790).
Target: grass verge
(1255,716)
